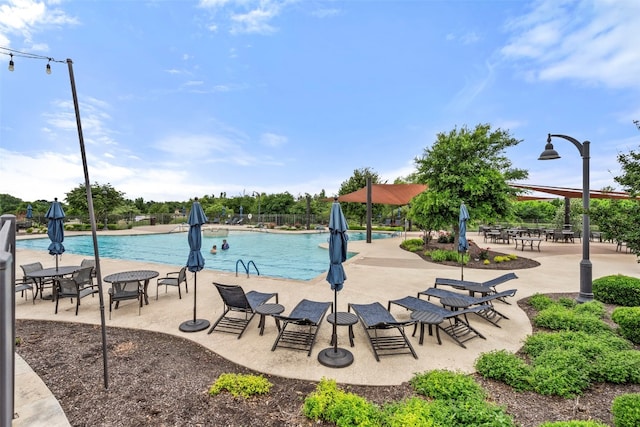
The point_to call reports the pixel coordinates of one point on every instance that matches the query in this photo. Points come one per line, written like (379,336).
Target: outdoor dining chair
(239,308)
(122,291)
(39,285)
(22,286)
(174,278)
(74,287)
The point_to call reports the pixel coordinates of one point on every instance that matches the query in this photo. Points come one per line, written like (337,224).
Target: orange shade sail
(386,194)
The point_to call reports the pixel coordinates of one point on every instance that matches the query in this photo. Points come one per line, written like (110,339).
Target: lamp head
(11,66)
(549,153)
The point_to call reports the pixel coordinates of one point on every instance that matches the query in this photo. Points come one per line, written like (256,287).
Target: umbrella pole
(194,325)
(335,321)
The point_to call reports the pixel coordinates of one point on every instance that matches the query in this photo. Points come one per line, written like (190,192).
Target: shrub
(464,413)
(628,320)
(412,245)
(410,412)
(504,366)
(626,410)
(591,346)
(562,373)
(557,317)
(448,385)
(617,289)
(540,301)
(618,367)
(440,255)
(330,403)
(240,385)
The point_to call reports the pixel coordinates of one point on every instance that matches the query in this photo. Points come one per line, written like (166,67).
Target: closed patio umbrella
(195,262)
(463,244)
(335,357)
(29,211)
(55,229)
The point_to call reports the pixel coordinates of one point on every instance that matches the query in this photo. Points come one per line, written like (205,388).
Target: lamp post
(106,213)
(258,194)
(586,286)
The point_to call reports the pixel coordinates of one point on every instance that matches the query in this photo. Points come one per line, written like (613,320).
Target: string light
(11,62)
(49,66)
(12,52)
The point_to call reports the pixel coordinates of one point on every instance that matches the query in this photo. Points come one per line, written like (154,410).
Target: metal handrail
(246,267)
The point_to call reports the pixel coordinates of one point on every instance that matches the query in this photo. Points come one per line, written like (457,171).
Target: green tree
(357,181)
(630,178)
(9,204)
(538,211)
(105,199)
(465,166)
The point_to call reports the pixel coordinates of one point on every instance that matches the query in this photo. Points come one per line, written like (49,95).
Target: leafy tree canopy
(467,166)
(630,178)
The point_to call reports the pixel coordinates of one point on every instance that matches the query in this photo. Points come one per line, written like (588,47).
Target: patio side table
(268,310)
(343,318)
(431,319)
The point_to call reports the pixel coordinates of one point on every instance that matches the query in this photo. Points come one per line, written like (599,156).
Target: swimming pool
(290,256)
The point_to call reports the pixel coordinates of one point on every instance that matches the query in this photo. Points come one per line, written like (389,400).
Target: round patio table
(130,276)
(431,319)
(343,319)
(268,309)
(51,273)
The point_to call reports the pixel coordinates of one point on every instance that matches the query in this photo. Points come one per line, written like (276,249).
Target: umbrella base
(335,358)
(194,325)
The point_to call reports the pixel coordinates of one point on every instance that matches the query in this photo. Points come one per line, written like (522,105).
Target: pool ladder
(246,267)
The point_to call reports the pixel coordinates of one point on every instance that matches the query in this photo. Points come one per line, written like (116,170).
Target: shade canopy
(337,247)
(386,194)
(55,227)
(573,193)
(197,217)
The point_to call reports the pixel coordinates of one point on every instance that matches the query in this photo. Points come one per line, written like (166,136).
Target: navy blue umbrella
(29,211)
(463,244)
(336,357)
(55,229)
(195,262)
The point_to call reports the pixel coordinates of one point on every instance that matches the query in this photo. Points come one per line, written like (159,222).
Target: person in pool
(225,245)
(214,249)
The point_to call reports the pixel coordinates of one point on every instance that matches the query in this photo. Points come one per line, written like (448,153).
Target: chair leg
(179,294)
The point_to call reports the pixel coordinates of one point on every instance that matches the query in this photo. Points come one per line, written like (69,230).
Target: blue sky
(186,98)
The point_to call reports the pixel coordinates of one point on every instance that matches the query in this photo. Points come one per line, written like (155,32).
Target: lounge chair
(300,327)
(375,319)
(236,301)
(491,314)
(483,288)
(458,327)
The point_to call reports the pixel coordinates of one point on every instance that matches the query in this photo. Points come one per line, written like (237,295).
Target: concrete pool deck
(379,272)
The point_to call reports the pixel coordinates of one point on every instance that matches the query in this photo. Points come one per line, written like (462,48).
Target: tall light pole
(258,194)
(586,286)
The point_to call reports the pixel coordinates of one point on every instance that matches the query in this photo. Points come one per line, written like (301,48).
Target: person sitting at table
(225,245)
(214,249)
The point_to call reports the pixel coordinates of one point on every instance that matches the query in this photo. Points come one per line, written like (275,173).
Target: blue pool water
(290,256)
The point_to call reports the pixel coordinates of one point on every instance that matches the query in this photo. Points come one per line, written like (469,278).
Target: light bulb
(11,62)
(48,68)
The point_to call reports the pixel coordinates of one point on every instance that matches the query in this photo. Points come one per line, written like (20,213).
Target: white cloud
(591,41)
(273,140)
(24,17)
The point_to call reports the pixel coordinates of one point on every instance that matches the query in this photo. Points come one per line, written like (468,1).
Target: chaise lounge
(300,327)
(378,323)
(483,288)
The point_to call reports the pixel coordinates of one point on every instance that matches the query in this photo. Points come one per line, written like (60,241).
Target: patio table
(130,276)
(51,273)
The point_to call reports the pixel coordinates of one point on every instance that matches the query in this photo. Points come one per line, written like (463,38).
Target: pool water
(290,256)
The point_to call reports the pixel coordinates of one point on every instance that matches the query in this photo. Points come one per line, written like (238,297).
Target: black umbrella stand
(194,325)
(335,357)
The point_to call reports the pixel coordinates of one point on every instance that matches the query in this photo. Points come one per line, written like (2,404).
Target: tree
(355,183)
(9,204)
(465,166)
(105,200)
(630,178)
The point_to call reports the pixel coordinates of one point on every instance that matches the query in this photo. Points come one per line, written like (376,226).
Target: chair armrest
(388,325)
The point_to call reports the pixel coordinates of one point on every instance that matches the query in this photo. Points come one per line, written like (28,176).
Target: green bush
(329,403)
(540,301)
(465,413)
(240,385)
(619,367)
(628,320)
(440,255)
(504,366)
(626,410)
(590,345)
(411,412)
(557,317)
(447,385)
(564,373)
(617,289)
(412,245)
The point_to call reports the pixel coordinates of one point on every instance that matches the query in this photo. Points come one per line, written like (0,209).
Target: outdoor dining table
(51,273)
(131,276)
